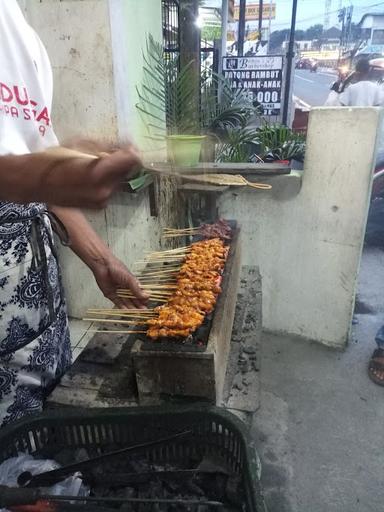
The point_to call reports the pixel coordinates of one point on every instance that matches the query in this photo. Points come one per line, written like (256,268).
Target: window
(170,25)
(365,33)
(378,37)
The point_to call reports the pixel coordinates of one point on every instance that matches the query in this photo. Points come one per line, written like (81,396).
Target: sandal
(375,364)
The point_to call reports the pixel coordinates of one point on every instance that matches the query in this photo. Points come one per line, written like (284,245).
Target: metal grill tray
(198,341)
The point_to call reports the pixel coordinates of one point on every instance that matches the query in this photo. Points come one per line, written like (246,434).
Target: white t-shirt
(363,94)
(333,100)
(25,86)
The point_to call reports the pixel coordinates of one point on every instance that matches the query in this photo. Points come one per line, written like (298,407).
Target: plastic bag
(12,468)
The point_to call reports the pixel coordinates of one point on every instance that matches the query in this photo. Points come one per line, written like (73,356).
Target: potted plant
(167,101)
(279,143)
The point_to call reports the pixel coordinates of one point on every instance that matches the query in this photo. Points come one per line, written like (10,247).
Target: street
(313,88)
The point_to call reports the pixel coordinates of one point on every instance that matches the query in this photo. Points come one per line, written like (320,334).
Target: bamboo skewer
(157,287)
(185,248)
(166,270)
(117,332)
(150,293)
(181,229)
(119,314)
(114,321)
(115,310)
(157,266)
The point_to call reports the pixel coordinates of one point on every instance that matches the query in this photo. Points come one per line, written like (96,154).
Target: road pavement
(312,88)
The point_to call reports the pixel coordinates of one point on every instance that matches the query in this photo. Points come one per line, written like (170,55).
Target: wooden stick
(184,248)
(174,235)
(152,299)
(158,286)
(180,232)
(196,228)
(114,321)
(117,332)
(117,310)
(150,292)
(161,272)
(144,317)
(160,280)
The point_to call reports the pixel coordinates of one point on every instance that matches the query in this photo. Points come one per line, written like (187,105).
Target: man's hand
(111,274)
(72,180)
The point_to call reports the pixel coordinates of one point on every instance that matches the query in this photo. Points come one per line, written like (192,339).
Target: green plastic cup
(184,150)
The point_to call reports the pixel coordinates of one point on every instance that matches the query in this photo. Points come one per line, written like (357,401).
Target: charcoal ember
(140,465)
(213,485)
(233,491)
(215,464)
(125,493)
(203,508)
(102,492)
(127,477)
(69,456)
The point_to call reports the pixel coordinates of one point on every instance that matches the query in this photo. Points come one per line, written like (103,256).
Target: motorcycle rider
(359,90)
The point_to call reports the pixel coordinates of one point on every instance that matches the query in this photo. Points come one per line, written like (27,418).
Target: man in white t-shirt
(363,93)
(34,337)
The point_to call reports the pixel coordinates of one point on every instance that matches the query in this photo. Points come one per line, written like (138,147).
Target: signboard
(252,12)
(260,77)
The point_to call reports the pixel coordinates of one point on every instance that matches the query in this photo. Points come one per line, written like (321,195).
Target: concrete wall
(308,245)
(132,21)
(96,51)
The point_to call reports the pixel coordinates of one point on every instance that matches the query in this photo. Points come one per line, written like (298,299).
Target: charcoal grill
(214,432)
(167,370)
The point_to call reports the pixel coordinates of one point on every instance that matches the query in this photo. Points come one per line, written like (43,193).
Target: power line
(320,15)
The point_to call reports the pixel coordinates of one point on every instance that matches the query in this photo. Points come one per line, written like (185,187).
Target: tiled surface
(75,353)
(80,335)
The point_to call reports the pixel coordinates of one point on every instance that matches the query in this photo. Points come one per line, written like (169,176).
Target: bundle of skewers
(187,283)
(220,229)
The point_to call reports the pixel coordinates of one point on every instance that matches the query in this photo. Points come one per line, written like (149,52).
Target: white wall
(96,63)
(308,245)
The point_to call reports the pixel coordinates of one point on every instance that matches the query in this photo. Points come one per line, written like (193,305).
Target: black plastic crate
(214,432)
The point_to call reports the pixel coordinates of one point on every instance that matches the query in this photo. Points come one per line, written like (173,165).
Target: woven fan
(232,180)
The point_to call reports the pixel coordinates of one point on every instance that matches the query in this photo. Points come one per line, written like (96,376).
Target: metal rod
(51,477)
(241,33)
(290,56)
(93,499)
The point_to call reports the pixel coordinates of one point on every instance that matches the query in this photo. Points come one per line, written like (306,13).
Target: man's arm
(110,273)
(75,181)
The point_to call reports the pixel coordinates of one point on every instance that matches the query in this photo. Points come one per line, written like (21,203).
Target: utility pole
(190,51)
(348,25)
(224,28)
(341,17)
(290,57)
(327,14)
(269,25)
(260,19)
(241,33)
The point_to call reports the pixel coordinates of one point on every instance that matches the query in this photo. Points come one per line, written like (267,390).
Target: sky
(310,12)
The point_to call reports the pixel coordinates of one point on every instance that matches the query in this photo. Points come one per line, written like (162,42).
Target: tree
(300,35)
(314,32)
(277,38)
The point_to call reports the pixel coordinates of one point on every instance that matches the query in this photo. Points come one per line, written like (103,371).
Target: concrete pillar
(308,246)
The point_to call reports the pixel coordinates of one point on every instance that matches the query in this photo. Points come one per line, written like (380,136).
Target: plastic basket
(214,432)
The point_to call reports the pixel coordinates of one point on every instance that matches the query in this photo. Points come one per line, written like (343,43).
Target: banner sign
(260,77)
(252,12)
